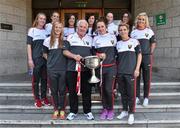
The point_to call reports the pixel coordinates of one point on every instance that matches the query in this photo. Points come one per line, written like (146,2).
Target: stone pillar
(13,57)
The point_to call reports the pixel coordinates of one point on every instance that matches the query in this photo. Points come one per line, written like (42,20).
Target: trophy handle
(82,62)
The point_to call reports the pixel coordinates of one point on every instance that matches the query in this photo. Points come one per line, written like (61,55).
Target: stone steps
(28,96)
(142,120)
(17,109)
(27,88)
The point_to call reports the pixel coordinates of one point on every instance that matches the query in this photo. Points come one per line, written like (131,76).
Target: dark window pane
(116,3)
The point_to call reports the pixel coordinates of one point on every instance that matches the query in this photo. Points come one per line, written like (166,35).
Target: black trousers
(127,88)
(58,88)
(39,75)
(107,87)
(85,90)
(146,70)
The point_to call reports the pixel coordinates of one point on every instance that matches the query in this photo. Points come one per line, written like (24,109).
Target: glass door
(66,12)
(80,13)
(87,12)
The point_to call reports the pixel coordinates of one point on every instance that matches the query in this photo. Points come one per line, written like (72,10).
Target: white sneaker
(145,102)
(89,116)
(131,119)
(122,115)
(71,116)
(137,101)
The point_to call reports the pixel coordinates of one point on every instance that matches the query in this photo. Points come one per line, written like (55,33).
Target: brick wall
(167,54)
(13,42)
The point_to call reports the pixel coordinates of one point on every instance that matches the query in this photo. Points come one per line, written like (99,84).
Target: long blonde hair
(146,19)
(35,23)
(53,36)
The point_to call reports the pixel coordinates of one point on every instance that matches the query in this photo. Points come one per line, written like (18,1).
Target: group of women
(55,53)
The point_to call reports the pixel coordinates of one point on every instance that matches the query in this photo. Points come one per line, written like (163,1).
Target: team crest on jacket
(87,43)
(112,41)
(146,34)
(129,46)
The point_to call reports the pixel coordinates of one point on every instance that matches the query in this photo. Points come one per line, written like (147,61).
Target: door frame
(92,11)
(80,12)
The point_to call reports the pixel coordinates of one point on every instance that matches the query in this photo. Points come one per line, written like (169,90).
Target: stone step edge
(29,84)
(30,95)
(159,106)
(84,122)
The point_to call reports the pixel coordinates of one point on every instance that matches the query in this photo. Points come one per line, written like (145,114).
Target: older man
(78,46)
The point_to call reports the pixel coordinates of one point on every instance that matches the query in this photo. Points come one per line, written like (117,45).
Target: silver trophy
(92,62)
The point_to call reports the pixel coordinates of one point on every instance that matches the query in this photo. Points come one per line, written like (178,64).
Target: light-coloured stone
(14,36)
(159,52)
(164,43)
(168,35)
(176,2)
(172,32)
(13,19)
(165,4)
(175,42)
(171,52)
(19,28)
(176,21)
(13,54)
(168,72)
(174,11)
(3,18)
(160,34)
(3,35)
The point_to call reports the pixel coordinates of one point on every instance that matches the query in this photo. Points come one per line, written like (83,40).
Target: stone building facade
(13,58)
(13,42)
(167,53)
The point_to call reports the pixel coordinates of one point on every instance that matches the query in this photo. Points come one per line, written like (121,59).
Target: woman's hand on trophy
(102,56)
(77,57)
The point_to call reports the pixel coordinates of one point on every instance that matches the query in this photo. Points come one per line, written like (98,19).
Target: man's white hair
(82,21)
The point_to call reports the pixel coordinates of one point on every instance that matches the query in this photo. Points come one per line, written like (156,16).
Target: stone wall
(13,57)
(167,53)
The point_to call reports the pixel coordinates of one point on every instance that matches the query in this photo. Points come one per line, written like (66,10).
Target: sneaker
(110,115)
(38,103)
(71,116)
(145,102)
(62,115)
(122,115)
(137,101)
(89,116)
(55,115)
(131,119)
(45,101)
(104,114)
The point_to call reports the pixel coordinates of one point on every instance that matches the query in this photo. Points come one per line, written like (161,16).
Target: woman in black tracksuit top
(128,63)
(104,47)
(144,34)
(56,68)
(35,38)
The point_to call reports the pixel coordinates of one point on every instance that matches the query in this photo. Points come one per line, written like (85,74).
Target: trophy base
(94,80)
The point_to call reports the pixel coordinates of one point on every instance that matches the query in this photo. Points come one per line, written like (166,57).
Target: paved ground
(24,77)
